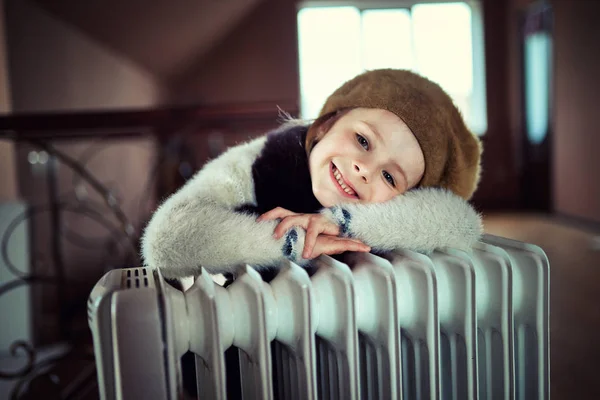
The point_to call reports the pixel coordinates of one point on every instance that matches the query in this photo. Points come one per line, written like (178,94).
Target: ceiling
(164,37)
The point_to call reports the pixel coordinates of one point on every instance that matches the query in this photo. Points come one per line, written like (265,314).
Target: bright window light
(386,39)
(538,53)
(328,53)
(441,41)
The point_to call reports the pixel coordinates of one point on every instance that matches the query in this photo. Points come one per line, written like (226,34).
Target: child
(388,164)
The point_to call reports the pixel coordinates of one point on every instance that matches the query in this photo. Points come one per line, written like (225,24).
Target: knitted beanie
(452,153)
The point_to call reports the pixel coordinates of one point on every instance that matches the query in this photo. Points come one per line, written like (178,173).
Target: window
(442,41)
(537,60)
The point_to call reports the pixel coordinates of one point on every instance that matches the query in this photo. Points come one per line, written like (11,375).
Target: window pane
(444,49)
(387,41)
(328,53)
(443,45)
(537,85)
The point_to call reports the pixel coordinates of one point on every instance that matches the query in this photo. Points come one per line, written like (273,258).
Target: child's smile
(346,189)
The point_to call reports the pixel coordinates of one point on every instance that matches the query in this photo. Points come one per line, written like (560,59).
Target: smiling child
(388,164)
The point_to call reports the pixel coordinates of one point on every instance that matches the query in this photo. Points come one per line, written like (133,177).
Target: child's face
(368,156)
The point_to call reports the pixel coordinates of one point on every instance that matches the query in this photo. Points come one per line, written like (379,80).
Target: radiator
(452,325)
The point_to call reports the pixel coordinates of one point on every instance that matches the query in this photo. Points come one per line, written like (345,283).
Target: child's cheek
(380,193)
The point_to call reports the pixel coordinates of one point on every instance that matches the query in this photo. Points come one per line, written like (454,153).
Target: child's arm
(422,220)
(199,225)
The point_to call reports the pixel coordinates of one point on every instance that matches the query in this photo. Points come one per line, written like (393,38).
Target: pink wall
(256,62)
(55,67)
(576,167)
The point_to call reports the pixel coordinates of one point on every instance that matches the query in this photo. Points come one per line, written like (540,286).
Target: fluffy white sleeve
(198,225)
(422,220)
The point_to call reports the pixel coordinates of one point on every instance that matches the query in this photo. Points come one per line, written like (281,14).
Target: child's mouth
(343,187)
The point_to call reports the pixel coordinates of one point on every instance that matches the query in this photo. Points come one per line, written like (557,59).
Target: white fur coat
(201,225)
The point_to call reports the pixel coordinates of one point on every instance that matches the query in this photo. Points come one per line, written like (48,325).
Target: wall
(8,176)
(576,164)
(497,188)
(161,36)
(513,79)
(256,62)
(55,67)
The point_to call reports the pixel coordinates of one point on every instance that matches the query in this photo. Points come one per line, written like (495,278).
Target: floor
(574,256)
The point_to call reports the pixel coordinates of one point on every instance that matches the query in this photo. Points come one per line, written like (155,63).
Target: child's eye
(389,178)
(362,141)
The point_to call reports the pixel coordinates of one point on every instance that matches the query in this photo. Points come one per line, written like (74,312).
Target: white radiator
(407,326)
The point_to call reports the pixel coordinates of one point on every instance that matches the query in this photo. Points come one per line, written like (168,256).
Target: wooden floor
(574,256)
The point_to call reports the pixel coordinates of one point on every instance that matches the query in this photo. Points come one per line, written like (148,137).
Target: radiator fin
(288,381)
(374,370)
(530,306)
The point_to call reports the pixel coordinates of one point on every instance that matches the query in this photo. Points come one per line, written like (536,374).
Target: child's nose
(363,171)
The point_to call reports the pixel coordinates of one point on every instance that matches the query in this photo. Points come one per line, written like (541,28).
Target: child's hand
(327,244)
(321,234)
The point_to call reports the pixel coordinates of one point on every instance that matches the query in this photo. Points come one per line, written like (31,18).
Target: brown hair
(321,126)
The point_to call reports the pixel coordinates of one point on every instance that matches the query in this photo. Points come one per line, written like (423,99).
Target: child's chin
(323,198)
(344,200)
(329,203)
(330,200)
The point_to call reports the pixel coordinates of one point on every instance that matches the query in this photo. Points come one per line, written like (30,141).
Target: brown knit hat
(452,153)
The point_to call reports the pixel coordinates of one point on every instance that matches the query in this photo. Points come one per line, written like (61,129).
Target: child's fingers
(356,240)
(327,227)
(275,213)
(326,244)
(288,222)
(310,239)
(353,245)
(317,225)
